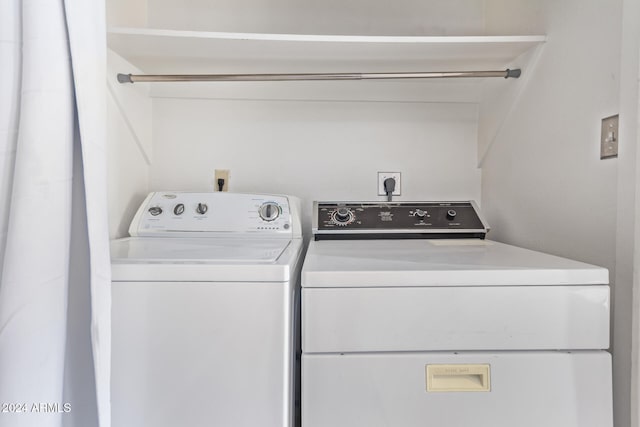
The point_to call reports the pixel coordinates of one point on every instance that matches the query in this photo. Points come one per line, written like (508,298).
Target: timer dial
(451,214)
(269,211)
(342,216)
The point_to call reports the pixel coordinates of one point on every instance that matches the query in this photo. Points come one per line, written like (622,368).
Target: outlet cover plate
(384,175)
(609,137)
(222,174)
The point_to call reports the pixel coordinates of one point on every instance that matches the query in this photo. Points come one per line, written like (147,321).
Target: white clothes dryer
(204,311)
(411,318)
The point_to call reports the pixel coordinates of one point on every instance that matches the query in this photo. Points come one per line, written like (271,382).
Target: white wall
(312,149)
(399,17)
(543,184)
(126,13)
(635,276)
(628,245)
(316,150)
(129,146)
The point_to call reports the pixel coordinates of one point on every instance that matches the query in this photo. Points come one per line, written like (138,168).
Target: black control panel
(404,220)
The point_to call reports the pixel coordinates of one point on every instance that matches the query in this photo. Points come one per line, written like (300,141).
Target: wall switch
(221,174)
(609,137)
(384,175)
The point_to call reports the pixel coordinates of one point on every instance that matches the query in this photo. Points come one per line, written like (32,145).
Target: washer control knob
(420,213)
(155,210)
(202,208)
(451,214)
(178,209)
(269,211)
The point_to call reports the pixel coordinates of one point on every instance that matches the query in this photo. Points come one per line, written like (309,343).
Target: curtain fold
(52,54)
(87,41)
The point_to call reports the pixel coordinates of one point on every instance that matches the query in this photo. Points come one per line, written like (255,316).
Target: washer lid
(464,262)
(203,259)
(201,250)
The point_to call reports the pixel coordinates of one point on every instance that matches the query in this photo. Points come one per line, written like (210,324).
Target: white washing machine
(411,318)
(204,311)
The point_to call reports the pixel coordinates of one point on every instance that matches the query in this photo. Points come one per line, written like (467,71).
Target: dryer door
(524,389)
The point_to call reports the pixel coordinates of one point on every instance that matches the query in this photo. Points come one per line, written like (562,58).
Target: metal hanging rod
(135,78)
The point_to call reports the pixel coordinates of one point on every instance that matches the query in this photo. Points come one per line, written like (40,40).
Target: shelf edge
(325,38)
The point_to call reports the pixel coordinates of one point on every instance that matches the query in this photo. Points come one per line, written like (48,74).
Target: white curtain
(54,259)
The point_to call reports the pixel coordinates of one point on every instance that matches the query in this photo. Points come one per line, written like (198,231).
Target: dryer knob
(202,208)
(451,214)
(269,211)
(179,209)
(420,213)
(342,216)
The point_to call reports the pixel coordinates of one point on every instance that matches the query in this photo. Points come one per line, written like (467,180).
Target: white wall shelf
(170,51)
(158,51)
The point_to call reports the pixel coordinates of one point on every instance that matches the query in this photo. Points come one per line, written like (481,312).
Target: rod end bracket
(513,73)
(126,78)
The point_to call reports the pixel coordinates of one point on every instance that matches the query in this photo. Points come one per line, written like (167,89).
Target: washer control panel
(220,213)
(361,220)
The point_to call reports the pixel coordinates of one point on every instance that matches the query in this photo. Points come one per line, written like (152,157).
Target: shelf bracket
(532,63)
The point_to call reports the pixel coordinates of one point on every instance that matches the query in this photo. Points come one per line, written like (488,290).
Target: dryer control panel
(397,220)
(189,214)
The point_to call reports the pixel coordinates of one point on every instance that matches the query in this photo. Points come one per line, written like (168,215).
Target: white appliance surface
(424,262)
(455,318)
(205,258)
(205,250)
(447,332)
(435,295)
(526,389)
(202,354)
(204,303)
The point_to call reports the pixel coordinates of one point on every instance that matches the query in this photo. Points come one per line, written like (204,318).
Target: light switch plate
(609,137)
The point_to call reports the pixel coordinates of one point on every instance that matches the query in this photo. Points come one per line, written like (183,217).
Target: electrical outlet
(609,137)
(221,174)
(384,175)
